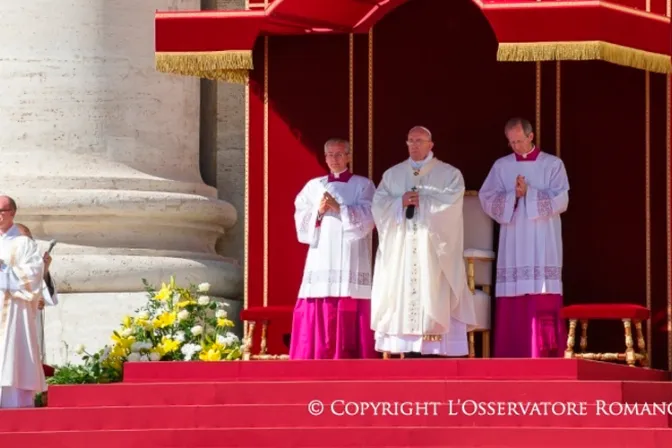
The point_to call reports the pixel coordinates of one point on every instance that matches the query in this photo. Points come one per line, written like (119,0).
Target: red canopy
(218,44)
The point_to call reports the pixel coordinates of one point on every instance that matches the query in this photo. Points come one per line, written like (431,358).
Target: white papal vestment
(420,292)
(21,372)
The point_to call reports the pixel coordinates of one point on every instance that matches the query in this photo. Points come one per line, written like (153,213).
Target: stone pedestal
(100,152)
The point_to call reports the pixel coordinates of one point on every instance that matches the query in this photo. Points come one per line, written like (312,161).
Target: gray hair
(423,129)
(339,142)
(525,124)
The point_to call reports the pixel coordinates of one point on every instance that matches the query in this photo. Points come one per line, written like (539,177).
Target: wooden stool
(263,314)
(625,312)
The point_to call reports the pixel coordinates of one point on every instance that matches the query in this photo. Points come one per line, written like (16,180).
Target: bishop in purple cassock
(526,192)
(332,316)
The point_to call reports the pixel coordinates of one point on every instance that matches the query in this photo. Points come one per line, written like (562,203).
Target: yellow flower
(210,355)
(164,293)
(185,303)
(224,323)
(124,342)
(168,345)
(127,321)
(165,320)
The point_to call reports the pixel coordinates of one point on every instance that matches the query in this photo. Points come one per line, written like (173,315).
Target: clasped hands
(410,198)
(521,187)
(328,203)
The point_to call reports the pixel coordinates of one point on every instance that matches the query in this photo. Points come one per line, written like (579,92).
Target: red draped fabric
(513,21)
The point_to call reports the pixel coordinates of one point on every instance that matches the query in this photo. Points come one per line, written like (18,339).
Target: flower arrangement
(176,324)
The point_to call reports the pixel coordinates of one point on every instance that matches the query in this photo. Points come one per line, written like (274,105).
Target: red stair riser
(303,392)
(277,416)
(348,437)
(501,369)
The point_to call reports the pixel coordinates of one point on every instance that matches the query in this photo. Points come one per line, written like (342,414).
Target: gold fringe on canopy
(230,66)
(585,51)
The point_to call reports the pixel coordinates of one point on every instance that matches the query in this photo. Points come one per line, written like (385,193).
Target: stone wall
(231,154)
(101,153)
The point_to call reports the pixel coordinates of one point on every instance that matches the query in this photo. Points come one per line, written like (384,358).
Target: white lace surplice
(338,263)
(529,259)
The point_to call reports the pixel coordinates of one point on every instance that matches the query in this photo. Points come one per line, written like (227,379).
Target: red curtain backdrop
(435,65)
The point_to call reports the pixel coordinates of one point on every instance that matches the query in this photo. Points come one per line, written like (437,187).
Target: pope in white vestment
(21,272)
(526,192)
(421,301)
(333,217)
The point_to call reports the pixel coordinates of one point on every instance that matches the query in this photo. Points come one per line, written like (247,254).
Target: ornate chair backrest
(479,235)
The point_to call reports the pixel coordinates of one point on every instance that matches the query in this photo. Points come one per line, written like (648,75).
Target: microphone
(410,210)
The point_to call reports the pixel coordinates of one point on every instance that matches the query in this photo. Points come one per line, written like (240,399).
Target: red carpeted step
(370,437)
(648,392)
(298,415)
(503,369)
(271,392)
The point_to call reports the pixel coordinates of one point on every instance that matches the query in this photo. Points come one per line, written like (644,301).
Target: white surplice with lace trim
(530,238)
(338,263)
(420,285)
(21,372)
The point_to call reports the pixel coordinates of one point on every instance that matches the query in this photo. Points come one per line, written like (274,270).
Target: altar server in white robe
(21,272)
(333,217)
(421,302)
(526,192)
(49,293)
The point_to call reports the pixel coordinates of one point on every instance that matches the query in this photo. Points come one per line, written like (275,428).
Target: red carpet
(549,403)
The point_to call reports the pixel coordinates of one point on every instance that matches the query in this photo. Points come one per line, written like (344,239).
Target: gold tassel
(585,51)
(230,66)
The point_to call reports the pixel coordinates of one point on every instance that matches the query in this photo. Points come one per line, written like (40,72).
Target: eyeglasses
(415,142)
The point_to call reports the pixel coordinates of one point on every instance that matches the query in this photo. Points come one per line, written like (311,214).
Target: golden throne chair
(479,257)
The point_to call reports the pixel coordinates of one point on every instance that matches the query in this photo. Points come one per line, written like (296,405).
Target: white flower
(227,339)
(179,336)
(189,350)
(204,287)
(154,356)
(197,330)
(133,357)
(231,338)
(80,349)
(143,315)
(138,346)
(182,315)
(221,314)
(144,358)
(203,300)
(126,332)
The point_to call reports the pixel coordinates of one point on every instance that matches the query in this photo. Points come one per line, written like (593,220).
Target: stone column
(101,153)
